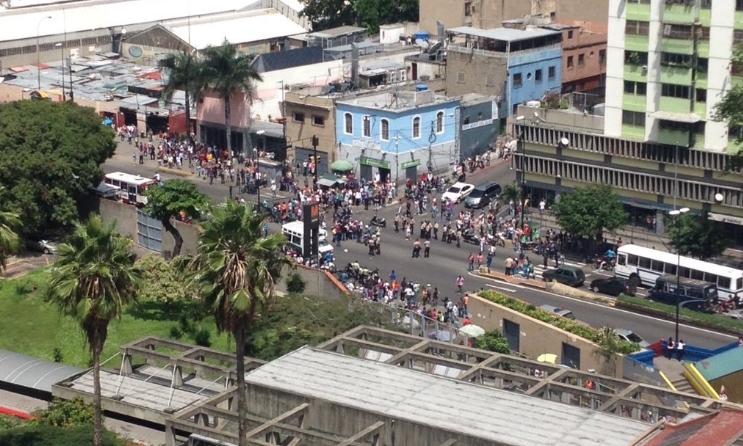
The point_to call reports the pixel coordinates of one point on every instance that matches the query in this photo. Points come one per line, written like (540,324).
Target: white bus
(648,264)
(132,186)
(294,233)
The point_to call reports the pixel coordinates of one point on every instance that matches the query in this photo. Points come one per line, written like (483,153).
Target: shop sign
(374,163)
(414,163)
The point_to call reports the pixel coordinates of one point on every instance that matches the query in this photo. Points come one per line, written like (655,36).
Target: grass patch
(32,326)
(686,315)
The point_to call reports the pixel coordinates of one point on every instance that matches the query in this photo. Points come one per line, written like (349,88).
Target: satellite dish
(435,47)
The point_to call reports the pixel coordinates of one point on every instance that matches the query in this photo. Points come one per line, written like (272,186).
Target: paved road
(447,262)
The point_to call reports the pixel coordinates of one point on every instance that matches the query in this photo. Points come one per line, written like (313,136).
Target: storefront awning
(689,118)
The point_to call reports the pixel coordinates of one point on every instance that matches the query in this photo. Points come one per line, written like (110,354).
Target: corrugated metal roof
(33,373)
(722,364)
(689,118)
(269,25)
(89,15)
(504,34)
(491,414)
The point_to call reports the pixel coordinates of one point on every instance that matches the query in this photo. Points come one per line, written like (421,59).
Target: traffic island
(552,287)
(516,280)
(178,172)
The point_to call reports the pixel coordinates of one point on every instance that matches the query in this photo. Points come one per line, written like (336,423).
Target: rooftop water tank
(421,87)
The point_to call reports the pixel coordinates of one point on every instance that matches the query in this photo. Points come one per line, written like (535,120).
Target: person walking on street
(426,249)
(416,249)
(680,350)
(470,262)
(509,266)
(489,261)
(460,284)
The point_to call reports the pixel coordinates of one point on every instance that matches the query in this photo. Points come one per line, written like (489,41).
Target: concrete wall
(299,133)
(485,14)
(317,284)
(468,73)
(537,337)
(581,10)
(211,109)
(477,136)
(560,118)
(588,44)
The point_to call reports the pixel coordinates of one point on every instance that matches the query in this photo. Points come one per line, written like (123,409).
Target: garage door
(149,232)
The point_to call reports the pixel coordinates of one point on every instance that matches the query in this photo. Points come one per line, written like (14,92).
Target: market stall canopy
(329,180)
(342,166)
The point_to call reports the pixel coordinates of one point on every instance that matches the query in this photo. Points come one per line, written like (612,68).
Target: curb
(660,314)
(178,172)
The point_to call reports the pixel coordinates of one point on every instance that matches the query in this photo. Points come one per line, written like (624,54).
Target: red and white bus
(132,186)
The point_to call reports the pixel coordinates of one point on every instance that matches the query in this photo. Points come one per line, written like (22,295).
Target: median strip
(553,287)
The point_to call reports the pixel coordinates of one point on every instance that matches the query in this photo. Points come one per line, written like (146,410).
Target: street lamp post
(675,214)
(520,149)
(283,109)
(258,167)
(38,51)
(61,52)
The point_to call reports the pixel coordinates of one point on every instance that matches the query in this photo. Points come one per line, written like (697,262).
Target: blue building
(398,134)
(515,65)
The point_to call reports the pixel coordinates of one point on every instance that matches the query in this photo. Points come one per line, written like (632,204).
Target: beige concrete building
(483,14)
(309,115)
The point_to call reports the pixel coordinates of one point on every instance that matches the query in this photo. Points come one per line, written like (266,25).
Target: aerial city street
(456,223)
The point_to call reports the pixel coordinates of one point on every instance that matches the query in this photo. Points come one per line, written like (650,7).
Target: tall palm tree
(608,343)
(183,74)
(228,73)
(235,270)
(9,241)
(93,280)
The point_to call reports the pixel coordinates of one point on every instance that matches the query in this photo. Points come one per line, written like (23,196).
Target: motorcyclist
(608,258)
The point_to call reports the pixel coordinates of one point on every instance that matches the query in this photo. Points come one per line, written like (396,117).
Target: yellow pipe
(667,381)
(698,382)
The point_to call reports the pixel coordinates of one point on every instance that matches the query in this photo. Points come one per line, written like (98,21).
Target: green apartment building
(668,65)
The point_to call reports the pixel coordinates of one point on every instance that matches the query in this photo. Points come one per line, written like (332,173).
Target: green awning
(342,166)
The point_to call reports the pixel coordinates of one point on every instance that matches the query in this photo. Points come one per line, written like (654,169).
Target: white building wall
(615,68)
(718,73)
(655,42)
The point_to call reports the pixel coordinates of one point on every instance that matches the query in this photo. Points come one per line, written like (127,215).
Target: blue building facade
(532,74)
(397,135)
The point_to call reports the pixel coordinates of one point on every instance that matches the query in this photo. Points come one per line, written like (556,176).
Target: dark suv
(567,275)
(483,195)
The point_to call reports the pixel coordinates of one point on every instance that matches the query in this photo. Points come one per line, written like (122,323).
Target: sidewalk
(640,236)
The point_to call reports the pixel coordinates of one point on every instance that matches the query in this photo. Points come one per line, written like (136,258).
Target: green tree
(511,192)
(608,348)
(326,14)
(697,236)
(50,153)
(64,413)
(228,73)
(93,280)
(9,242)
(171,199)
(493,341)
(589,211)
(183,74)
(235,270)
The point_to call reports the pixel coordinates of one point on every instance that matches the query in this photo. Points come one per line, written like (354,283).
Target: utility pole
(397,160)
(315,142)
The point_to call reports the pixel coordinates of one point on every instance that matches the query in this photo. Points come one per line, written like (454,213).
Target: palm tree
(235,270)
(228,73)
(183,74)
(608,348)
(93,280)
(9,241)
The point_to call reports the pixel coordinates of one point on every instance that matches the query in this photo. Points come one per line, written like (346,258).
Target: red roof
(717,429)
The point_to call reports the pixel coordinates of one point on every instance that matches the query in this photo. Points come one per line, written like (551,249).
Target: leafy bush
(203,338)
(161,281)
(175,332)
(57,354)
(64,413)
(584,331)
(45,435)
(8,422)
(295,284)
(686,314)
(493,341)
(22,288)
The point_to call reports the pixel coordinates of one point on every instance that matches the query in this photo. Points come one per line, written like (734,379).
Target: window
(636,28)
(440,122)
(632,260)
(739,5)
(701,95)
(674,59)
(633,118)
(517,80)
(466,120)
(635,58)
(489,81)
(348,124)
(467,9)
(538,76)
(674,91)
(551,73)
(631,87)
(416,127)
(602,57)
(460,76)
(318,121)
(367,126)
(570,62)
(570,34)
(385,127)
(298,117)
(723,282)
(581,60)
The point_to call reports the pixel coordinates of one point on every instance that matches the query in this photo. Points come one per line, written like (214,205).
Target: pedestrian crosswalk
(539,268)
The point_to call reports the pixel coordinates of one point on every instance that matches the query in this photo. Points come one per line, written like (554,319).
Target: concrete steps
(682,385)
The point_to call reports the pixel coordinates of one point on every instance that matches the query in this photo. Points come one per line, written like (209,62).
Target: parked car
(567,275)
(483,195)
(630,336)
(614,286)
(40,245)
(457,192)
(567,314)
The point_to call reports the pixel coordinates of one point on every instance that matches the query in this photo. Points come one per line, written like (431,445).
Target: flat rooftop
(399,101)
(448,404)
(504,34)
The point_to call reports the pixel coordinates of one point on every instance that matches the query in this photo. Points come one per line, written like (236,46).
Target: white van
(294,233)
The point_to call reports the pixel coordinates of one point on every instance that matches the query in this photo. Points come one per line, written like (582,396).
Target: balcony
(678,75)
(674,13)
(681,105)
(635,73)
(636,11)
(673,137)
(636,43)
(633,132)
(634,102)
(677,46)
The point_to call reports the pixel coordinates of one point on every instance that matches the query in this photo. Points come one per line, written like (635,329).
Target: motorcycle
(378,221)
(469,236)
